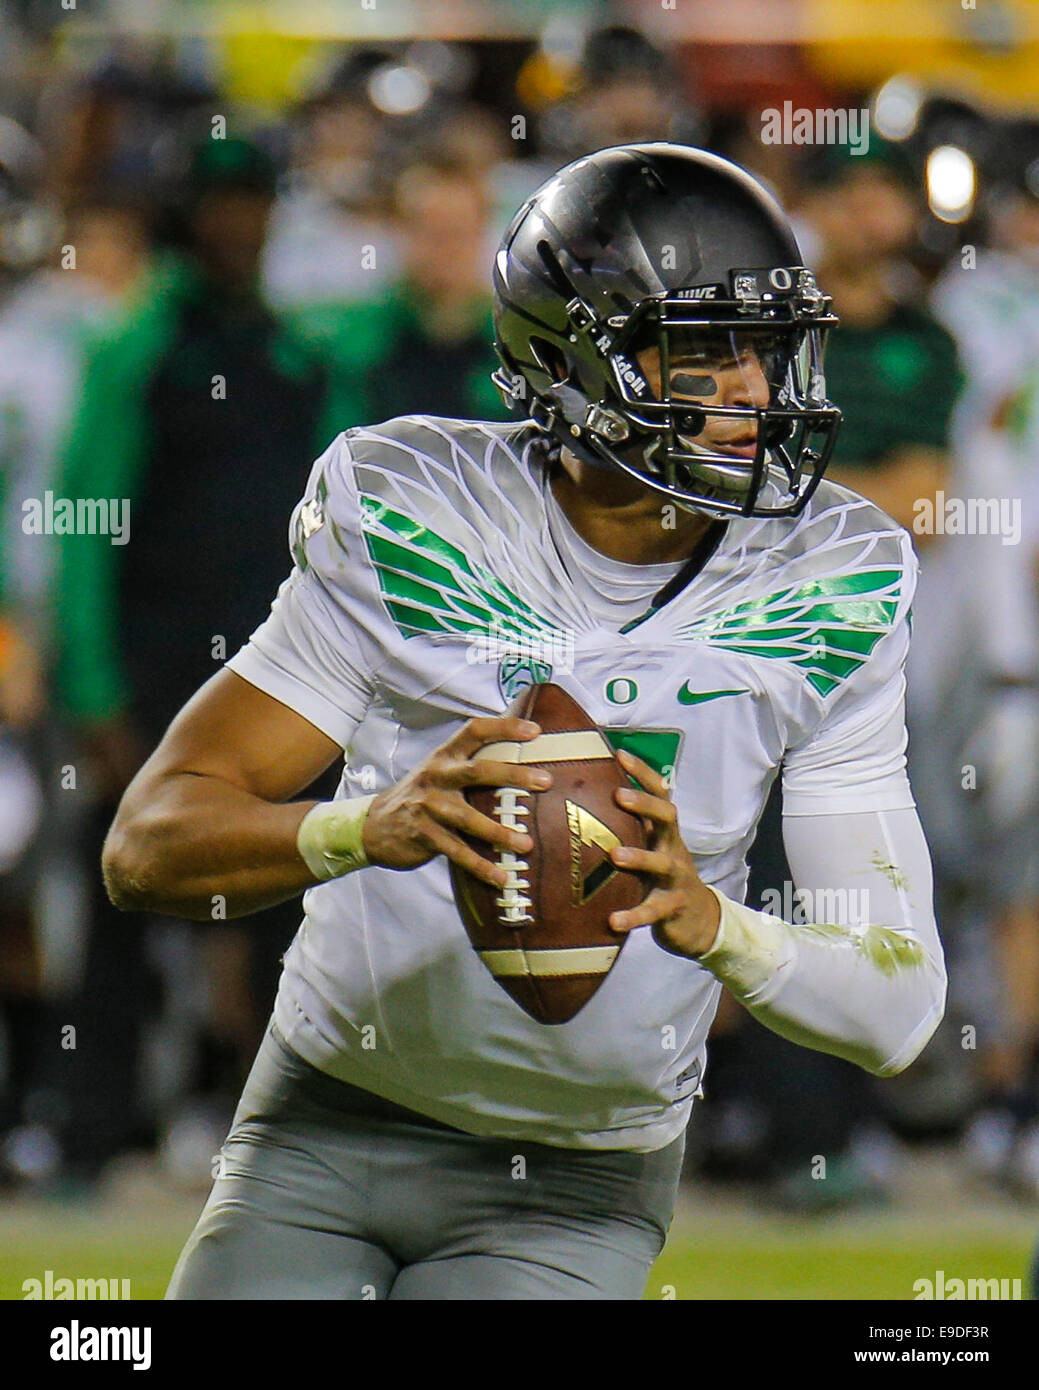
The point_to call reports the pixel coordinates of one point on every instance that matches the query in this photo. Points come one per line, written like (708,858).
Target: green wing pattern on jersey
(828,627)
(430,586)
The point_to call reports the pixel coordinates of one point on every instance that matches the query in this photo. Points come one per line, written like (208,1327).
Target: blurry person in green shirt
(423,345)
(199,417)
(891,366)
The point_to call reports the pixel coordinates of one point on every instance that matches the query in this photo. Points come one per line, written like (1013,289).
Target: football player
(655,534)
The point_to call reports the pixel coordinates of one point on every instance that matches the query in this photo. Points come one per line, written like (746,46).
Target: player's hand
(683,913)
(422,815)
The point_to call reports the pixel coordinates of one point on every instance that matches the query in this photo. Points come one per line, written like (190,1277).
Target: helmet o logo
(780,278)
(621,691)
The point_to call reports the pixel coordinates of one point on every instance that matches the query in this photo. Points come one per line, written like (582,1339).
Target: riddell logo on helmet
(698,292)
(630,376)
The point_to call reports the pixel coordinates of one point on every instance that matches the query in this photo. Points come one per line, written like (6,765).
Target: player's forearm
(200,847)
(871,995)
(871,989)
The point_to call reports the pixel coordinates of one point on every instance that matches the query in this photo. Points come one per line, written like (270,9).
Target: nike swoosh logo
(700,697)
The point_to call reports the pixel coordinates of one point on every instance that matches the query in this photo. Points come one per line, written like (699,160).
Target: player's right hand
(421,815)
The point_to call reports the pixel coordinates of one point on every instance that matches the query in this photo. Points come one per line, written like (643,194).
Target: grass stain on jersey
(885,948)
(891,872)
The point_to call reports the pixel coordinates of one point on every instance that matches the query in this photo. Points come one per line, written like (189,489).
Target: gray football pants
(329,1192)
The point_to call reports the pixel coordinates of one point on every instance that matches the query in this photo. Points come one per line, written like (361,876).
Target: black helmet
(665,249)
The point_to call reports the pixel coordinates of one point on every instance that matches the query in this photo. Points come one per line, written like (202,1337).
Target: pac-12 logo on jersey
(516,673)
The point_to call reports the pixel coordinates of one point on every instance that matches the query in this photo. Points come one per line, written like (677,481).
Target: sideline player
(658,538)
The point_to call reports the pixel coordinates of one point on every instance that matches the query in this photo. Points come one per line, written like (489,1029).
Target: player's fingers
(443,842)
(501,729)
(658,907)
(645,775)
(486,772)
(656,808)
(643,861)
(456,812)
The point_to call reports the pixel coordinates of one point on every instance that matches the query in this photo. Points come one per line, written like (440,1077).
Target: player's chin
(715,476)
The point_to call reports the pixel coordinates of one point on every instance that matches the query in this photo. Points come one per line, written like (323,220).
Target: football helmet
(652,313)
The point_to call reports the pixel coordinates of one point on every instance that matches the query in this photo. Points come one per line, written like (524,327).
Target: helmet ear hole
(551,359)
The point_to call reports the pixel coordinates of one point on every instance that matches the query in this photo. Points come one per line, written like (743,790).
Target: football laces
(514,903)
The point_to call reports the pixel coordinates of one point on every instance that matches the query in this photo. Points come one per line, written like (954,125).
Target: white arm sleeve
(864,977)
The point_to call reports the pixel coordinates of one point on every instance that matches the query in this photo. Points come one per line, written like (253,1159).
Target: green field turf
(729,1255)
(823,1267)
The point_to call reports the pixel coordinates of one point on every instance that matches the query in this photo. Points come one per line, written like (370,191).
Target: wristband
(749,950)
(330,837)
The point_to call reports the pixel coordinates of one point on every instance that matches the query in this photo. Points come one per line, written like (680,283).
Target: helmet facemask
(719,404)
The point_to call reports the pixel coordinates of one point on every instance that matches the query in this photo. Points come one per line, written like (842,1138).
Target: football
(545,936)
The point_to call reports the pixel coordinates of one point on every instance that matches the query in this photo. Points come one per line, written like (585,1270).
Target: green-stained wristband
(330,837)
(750,949)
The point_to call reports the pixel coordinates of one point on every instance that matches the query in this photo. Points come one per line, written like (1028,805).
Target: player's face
(716,367)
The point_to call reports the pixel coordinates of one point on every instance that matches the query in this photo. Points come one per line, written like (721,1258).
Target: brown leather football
(545,937)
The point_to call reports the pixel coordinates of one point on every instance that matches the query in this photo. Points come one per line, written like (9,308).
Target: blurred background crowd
(221,245)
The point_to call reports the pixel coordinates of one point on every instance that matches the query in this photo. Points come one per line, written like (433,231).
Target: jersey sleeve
(320,648)
(855,760)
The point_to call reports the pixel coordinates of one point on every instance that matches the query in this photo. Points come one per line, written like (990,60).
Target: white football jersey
(428,590)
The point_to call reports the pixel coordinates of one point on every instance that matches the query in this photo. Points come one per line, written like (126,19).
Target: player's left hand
(683,913)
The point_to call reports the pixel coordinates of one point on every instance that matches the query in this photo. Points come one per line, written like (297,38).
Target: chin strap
(702,552)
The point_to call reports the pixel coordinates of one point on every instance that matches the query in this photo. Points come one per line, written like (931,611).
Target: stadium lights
(562,39)
(399,90)
(896,108)
(951,183)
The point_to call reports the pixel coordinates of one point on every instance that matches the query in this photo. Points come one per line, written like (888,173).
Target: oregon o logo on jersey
(622,690)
